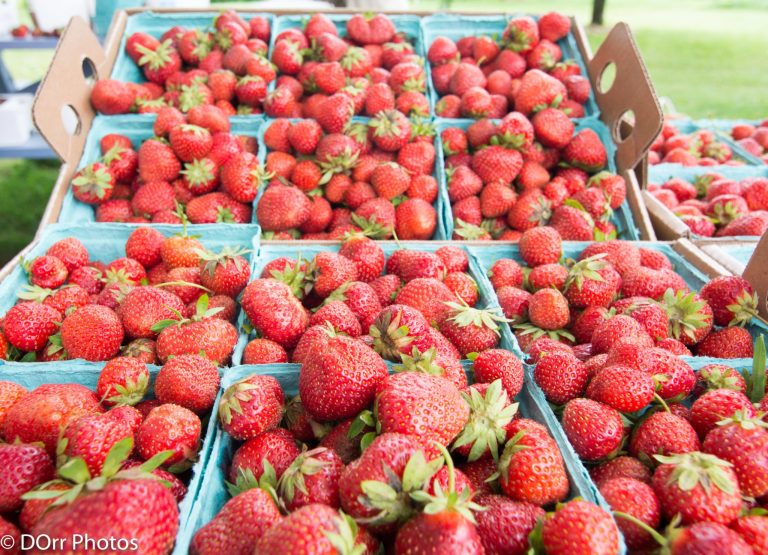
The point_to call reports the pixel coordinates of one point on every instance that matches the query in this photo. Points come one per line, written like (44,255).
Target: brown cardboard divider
(667,226)
(756,273)
(629,107)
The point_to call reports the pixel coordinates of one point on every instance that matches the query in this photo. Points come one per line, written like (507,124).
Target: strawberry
(531,466)
(112,97)
(358,383)
(662,433)
(554,26)
(716,405)
(504,525)
(263,458)
(732,299)
(752,530)
(391,130)
(214,337)
(704,536)
(26,466)
(367,256)
(190,381)
(157,162)
(317,528)
(122,381)
(170,427)
(710,492)
(595,430)
(40,415)
(282,207)
(335,112)
(93,184)
(91,437)
(338,316)
(585,151)
(251,406)
(313,477)
(143,307)
(537,91)
(274,311)
(579,527)
(216,536)
(159,63)
(225,273)
(621,388)
(329,271)
(727,343)
(442,50)
(210,117)
(78,339)
(416,220)
(622,467)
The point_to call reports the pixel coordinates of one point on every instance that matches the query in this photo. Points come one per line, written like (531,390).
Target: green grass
(707,56)
(25,186)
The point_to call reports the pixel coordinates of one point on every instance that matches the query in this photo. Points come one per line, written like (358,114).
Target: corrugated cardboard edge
(667,226)
(718,250)
(756,273)
(640,91)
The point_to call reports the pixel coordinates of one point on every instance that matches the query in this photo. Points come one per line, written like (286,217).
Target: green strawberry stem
(661,401)
(661,540)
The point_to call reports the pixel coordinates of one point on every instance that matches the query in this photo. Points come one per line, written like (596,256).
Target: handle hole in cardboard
(89,70)
(71,120)
(607,78)
(624,126)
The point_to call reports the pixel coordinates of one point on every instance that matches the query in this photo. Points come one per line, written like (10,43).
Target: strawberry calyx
(202,311)
(342,163)
(94,180)
(34,293)
(344,539)
(589,268)
(488,417)
(130,393)
(246,480)
(306,464)
(697,468)
(465,315)
(393,499)
(74,473)
(684,312)
(232,397)
(222,258)
(297,277)
(386,124)
(191,96)
(470,232)
(418,361)
(744,309)
(370,227)
(113,154)
(422,127)
(390,338)
(718,378)
(199,172)
(158,57)
(537,332)
(450,500)
(742,419)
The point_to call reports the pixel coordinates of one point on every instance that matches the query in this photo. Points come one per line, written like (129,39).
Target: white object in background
(55,14)
(308,5)
(9,16)
(15,119)
(178,3)
(378,5)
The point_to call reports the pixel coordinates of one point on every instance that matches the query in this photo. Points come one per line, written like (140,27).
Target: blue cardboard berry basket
(269,251)
(85,373)
(105,243)
(622,217)
(137,129)
(485,256)
(661,173)
(455,26)
(155,24)
(723,133)
(213,491)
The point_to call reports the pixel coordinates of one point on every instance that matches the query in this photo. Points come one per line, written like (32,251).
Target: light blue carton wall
(156,24)
(661,173)
(456,26)
(689,126)
(487,255)
(213,493)
(105,242)
(271,251)
(32,375)
(408,24)
(622,218)
(137,129)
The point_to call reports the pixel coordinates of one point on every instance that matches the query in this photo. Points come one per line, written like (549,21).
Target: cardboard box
(630,95)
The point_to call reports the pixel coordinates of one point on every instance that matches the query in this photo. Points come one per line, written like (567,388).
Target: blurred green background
(708,57)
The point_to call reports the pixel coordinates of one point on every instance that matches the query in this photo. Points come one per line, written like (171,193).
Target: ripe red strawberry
(111,97)
(282,207)
(472,330)
(190,381)
(347,389)
(554,26)
(200,333)
(391,130)
(752,530)
(92,437)
(329,271)
(541,245)
(216,536)
(504,525)
(26,466)
(275,448)
(538,90)
(314,527)
(442,50)
(313,477)
(548,309)
(122,381)
(170,427)
(225,273)
(366,255)
(579,527)
(662,433)
(621,388)
(157,162)
(143,307)
(496,163)
(732,299)
(727,343)
(595,430)
(718,502)
(263,351)
(716,405)
(620,468)
(93,184)
(335,112)
(531,467)
(77,335)
(585,151)
(274,311)
(40,415)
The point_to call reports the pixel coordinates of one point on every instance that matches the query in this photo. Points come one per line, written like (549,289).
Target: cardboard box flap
(629,106)
(63,97)
(756,273)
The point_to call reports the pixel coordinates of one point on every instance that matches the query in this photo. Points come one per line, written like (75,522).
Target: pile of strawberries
(698,467)
(225,65)
(617,291)
(752,138)
(374,177)
(699,148)
(103,462)
(192,170)
(167,297)
(523,70)
(714,205)
(516,174)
